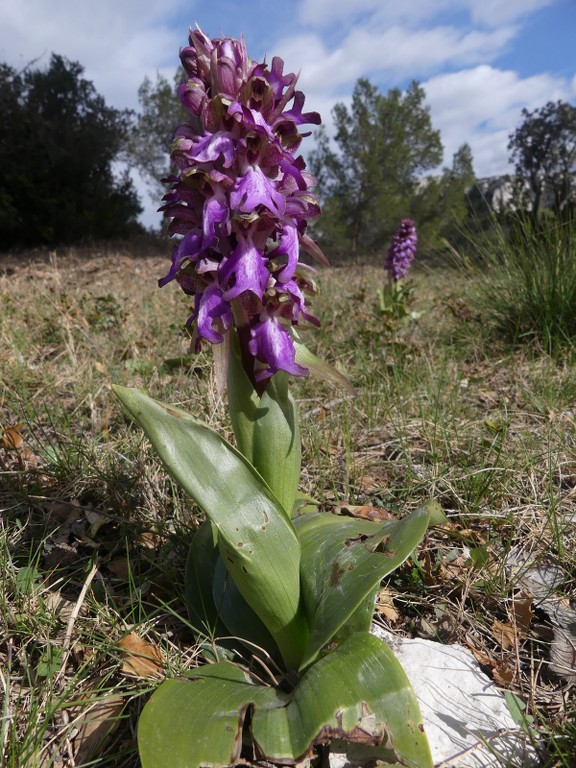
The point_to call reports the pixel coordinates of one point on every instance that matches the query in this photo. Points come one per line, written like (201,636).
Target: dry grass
(94,535)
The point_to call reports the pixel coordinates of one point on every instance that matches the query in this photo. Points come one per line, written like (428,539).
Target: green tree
(149,144)
(58,145)
(440,204)
(543,150)
(384,146)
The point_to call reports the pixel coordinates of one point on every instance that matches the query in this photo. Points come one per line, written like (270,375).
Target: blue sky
(479,61)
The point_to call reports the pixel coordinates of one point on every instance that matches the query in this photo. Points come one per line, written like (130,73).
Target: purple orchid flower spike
(241,201)
(402,251)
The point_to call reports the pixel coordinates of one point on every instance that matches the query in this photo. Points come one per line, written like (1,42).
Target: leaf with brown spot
(336,574)
(140,658)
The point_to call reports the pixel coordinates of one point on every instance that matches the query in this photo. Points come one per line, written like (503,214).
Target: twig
(67,644)
(67,650)
(7,715)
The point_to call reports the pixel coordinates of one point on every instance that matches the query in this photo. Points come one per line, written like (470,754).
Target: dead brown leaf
(365,512)
(369,484)
(503,675)
(12,438)
(149,540)
(480,656)
(522,607)
(385,605)
(95,724)
(119,567)
(504,633)
(140,658)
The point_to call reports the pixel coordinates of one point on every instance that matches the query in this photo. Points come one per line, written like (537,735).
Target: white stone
(465,715)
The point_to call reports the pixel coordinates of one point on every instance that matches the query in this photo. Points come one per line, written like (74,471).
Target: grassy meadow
(458,401)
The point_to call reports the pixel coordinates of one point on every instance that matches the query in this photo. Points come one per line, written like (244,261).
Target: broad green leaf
(357,692)
(266,428)
(199,579)
(343,561)
(240,620)
(216,608)
(192,723)
(256,537)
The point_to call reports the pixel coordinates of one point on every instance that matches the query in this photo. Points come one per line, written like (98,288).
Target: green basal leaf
(357,692)
(266,428)
(199,579)
(343,561)
(240,620)
(256,537)
(216,608)
(192,723)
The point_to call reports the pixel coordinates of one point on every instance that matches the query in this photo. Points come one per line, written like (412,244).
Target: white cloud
(396,53)
(118,43)
(482,106)
(448,45)
(325,13)
(495,12)
(490,13)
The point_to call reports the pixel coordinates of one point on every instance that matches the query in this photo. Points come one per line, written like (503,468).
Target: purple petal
(251,118)
(298,303)
(214,214)
(254,189)
(209,148)
(276,77)
(244,270)
(192,96)
(288,247)
(188,249)
(271,343)
(213,307)
(296,115)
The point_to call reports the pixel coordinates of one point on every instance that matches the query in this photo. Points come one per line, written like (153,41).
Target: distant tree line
(376,173)
(543,150)
(61,148)
(59,143)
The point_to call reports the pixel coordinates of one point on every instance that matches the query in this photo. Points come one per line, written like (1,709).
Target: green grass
(526,282)
(444,408)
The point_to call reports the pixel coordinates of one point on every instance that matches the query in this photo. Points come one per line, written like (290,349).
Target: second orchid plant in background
(395,297)
(284,593)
